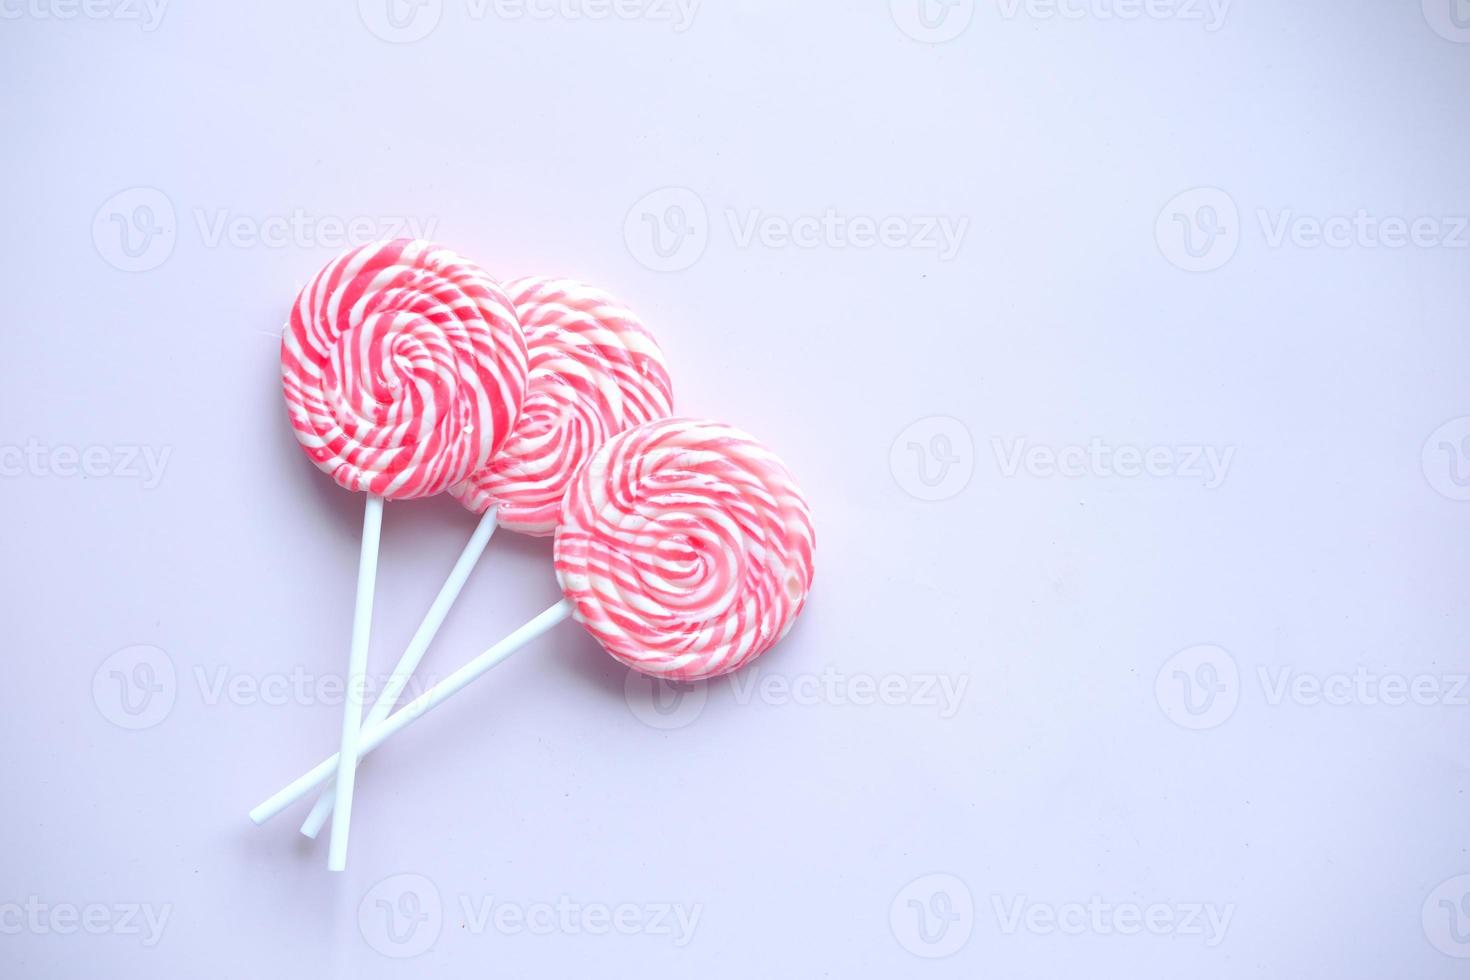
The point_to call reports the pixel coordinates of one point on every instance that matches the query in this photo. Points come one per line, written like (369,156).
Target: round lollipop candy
(595,371)
(685,548)
(404,368)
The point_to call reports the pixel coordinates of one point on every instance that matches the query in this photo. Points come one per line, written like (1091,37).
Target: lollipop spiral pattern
(595,371)
(404,368)
(685,548)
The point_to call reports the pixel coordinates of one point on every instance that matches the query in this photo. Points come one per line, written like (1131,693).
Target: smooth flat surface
(1168,679)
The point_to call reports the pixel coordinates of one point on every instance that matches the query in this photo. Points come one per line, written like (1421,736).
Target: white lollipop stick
(362,620)
(409,662)
(374,736)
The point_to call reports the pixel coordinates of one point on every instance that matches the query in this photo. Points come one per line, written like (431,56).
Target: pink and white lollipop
(595,371)
(685,548)
(404,369)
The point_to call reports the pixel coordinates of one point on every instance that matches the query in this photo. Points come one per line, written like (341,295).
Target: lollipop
(404,368)
(685,549)
(595,371)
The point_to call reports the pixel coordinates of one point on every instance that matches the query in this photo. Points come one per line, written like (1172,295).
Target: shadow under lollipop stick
(375,735)
(409,662)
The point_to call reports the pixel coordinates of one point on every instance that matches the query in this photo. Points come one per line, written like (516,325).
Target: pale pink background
(534,144)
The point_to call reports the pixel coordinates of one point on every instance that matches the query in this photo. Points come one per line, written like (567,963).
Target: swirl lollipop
(595,371)
(685,549)
(404,368)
